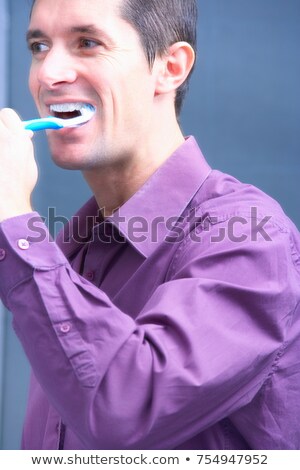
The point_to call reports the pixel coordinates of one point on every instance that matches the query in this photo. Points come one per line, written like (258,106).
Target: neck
(113,185)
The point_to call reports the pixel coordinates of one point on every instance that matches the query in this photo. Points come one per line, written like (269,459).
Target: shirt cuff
(25,245)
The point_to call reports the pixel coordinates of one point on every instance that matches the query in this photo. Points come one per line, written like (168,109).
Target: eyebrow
(34,34)
(80,29)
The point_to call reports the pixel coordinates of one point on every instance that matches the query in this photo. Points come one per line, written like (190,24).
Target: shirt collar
(145,219)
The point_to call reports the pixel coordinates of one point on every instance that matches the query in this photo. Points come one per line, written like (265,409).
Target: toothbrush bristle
(87,109)
(87,112)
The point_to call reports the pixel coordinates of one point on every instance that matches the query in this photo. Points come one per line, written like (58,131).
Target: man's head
(98,52)
(159,24)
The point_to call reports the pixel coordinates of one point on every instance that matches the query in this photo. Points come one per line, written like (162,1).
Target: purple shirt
(173,324)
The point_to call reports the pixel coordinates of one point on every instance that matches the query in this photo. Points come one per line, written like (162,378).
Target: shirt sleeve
(200,349)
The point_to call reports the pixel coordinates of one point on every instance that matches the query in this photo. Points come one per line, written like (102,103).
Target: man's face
(83,52)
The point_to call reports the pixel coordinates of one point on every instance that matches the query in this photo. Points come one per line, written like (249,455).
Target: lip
(66,131)
(70,130)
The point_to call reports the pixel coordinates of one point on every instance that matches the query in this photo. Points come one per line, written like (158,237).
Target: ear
(174,67)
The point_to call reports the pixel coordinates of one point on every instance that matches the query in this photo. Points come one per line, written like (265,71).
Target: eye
(88,43)
(38,47)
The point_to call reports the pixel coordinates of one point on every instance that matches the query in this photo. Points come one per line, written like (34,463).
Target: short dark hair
(161,23)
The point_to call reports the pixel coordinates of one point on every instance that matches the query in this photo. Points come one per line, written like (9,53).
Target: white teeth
(68,107)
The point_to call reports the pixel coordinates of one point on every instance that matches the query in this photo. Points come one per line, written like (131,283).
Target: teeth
(69,107)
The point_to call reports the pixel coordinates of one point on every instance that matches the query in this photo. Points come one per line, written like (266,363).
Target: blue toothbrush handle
(41,124)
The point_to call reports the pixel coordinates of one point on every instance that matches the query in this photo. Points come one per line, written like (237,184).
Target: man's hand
(18,169)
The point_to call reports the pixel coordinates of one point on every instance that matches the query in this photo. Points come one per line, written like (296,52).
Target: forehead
(62,18)
(67,12)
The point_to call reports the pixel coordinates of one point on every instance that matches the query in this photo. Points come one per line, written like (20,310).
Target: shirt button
(2,254)
(65,328)
(23,244)
(90,275)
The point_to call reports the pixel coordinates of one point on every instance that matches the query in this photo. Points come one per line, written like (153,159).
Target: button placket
(90,275)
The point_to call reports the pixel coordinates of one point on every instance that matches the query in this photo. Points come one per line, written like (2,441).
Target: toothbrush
(52,122)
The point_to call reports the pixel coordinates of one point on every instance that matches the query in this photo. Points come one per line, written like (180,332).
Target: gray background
(243,108)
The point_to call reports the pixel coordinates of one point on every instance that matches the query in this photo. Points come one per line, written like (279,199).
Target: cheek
(32,80)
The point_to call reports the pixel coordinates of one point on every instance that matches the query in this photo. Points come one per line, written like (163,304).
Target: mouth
(71,110)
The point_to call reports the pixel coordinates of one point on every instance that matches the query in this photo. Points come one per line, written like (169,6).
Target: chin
(70,157)
(75,160)
(67,161)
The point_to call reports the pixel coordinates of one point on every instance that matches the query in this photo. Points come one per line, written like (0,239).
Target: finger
(10,118)
(29,132)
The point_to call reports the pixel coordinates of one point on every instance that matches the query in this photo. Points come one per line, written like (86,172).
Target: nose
(57,68)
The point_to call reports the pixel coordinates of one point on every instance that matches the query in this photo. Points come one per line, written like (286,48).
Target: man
(166,315)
